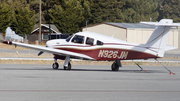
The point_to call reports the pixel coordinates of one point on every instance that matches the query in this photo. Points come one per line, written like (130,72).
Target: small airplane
(98,47)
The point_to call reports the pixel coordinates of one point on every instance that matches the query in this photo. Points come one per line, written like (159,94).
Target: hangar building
(132,32)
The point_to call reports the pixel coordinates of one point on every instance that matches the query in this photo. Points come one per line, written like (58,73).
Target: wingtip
(7,42)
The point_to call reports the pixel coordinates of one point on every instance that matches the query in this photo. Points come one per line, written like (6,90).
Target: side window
(78,39)
(44,36)
(99,42)
(89,41)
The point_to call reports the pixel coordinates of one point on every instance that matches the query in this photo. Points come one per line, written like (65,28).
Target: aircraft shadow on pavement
(123,71)
(74,69)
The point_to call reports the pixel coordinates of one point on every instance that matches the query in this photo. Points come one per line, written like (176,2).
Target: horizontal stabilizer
(163,22)
(170,48)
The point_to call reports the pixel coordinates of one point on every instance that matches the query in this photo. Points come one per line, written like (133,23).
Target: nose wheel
(55,65)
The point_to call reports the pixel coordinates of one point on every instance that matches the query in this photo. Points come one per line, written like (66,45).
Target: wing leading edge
(49,50)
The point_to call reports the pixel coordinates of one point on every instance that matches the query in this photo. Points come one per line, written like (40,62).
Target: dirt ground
(5,46)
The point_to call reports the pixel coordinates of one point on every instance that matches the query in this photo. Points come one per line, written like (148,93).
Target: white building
(131,32)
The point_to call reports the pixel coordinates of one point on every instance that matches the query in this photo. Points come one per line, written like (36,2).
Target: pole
(39,21)
(49,26)
(86,25)
(178,37)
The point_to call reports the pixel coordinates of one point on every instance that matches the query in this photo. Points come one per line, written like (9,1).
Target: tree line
(70,15)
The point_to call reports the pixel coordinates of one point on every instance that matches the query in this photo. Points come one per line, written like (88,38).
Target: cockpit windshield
(69,38)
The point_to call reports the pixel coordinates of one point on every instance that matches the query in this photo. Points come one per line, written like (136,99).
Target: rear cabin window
(99,42)
(89,41)
(78,39)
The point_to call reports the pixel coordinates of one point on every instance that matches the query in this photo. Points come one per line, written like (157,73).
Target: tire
(68,67)
(115,66)
(55,65)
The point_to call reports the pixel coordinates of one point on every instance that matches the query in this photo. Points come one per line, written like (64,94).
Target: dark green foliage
(139,10)
(105,11)
(6,16)
(68,16)
(24,21)
(158,1)
(171,10)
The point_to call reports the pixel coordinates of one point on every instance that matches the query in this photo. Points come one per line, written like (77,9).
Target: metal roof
(131,25)
(53,27)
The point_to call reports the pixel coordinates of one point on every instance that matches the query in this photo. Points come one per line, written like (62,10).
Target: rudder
(158,40)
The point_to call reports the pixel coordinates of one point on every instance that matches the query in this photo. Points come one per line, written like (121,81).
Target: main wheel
(55,65)
(68,67)
(115,66)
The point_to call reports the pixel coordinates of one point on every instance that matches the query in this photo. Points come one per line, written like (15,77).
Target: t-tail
(158,40)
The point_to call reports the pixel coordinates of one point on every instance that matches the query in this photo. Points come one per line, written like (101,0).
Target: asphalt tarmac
(88,83)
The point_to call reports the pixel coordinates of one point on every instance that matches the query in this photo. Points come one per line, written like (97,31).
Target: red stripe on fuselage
(111,53)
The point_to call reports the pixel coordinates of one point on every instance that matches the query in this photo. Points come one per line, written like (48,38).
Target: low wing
(49,50)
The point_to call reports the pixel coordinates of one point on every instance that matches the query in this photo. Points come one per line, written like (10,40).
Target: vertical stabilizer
(158,40)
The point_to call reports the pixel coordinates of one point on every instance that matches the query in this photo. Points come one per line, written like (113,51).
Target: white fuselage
(101,47)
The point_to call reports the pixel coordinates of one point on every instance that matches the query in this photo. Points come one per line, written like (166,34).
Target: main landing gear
(68,67)
(67,64)
(116,64)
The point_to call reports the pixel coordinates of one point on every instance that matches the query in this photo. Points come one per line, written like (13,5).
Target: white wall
(141,36)
(108,30)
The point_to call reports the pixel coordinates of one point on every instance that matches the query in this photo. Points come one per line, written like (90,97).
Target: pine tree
(158,1)
(6,16)
(34,6)
(171,10)
(139,10)
(106,11)
(24,20)
(47,5)
(68,16)
(86,11)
